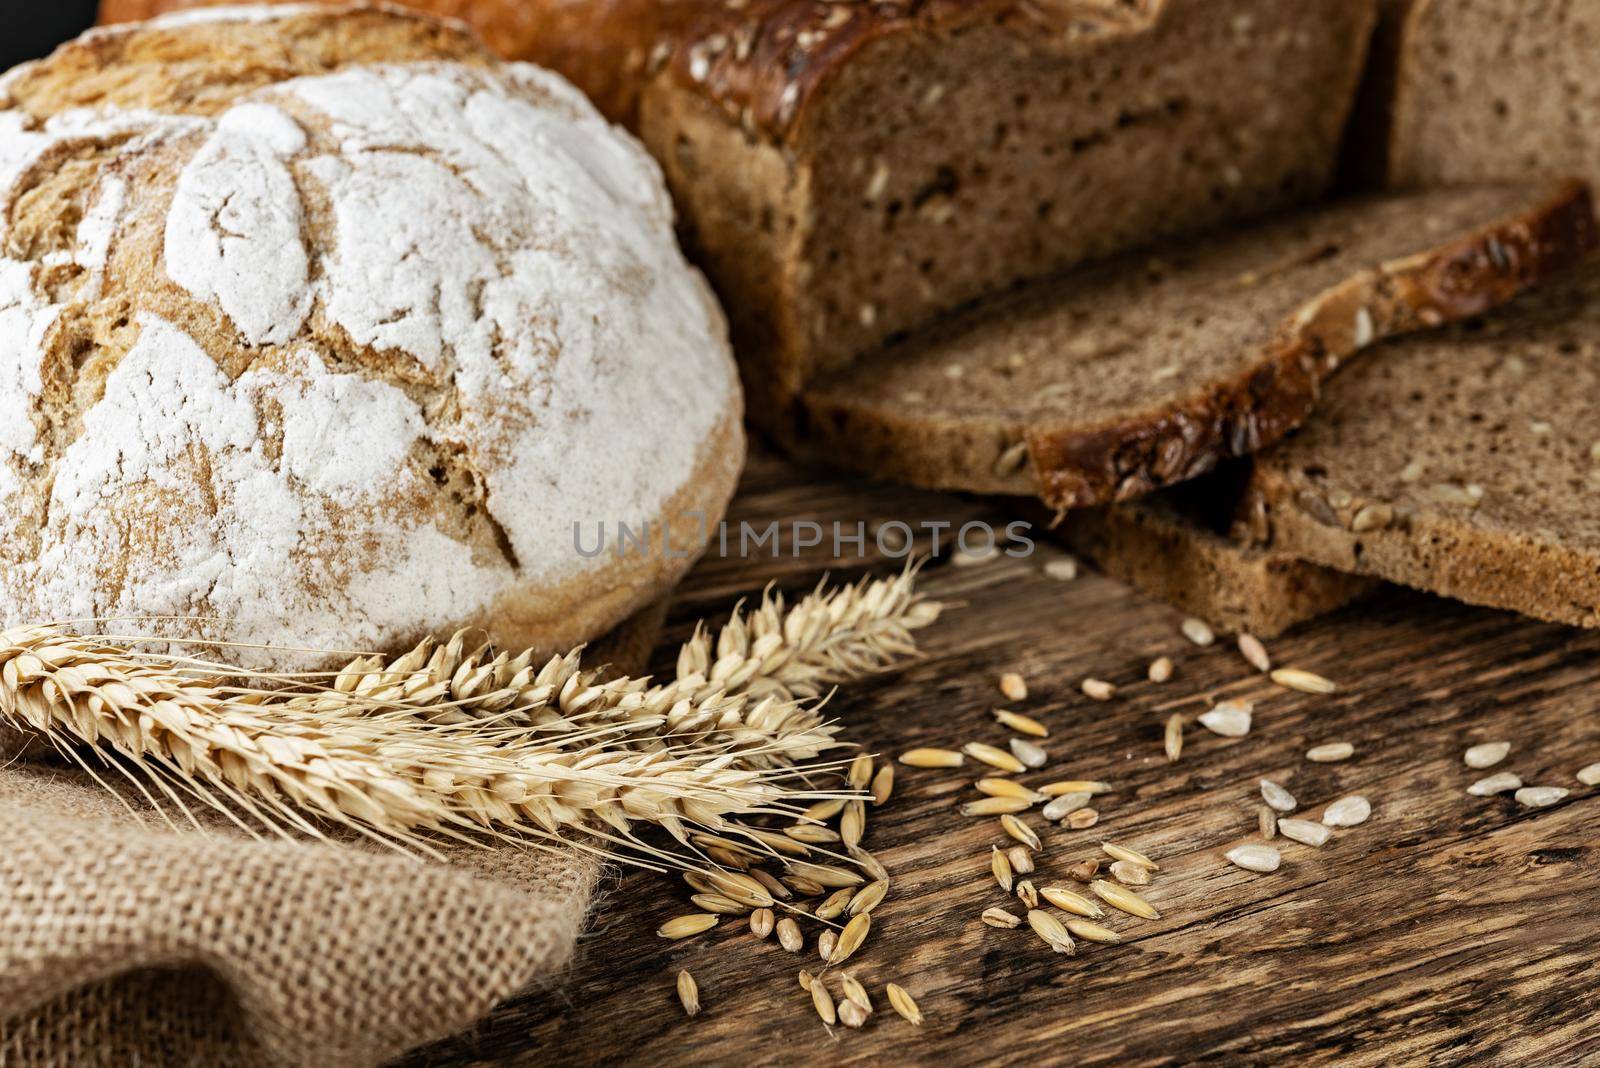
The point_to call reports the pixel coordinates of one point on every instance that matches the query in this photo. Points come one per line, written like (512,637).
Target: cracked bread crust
(324,329)
(1056,396)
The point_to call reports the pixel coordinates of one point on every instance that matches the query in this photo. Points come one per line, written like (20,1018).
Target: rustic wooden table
(1448,929)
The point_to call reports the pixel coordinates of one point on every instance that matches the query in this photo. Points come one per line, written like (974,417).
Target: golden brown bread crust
(761,61)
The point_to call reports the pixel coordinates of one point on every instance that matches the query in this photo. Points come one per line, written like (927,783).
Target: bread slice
(1465,463)
(1163,546)
(1491,90)
(846,172)
(1119,379)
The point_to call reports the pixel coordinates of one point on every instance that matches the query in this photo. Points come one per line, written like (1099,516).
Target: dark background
(30,28)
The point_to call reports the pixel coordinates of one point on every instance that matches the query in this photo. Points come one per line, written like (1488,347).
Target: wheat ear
(754,699)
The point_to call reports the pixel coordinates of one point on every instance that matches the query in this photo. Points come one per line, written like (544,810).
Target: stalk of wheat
(442,740)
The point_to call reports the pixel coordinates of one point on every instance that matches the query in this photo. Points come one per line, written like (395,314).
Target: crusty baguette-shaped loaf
(1119,379)
(846,172)
(1493,90)
(1162,547)
(1465,463)
(324,329)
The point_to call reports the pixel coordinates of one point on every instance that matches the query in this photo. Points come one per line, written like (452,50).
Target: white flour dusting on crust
(414,270)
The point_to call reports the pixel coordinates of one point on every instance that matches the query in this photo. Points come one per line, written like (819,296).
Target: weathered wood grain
(1447,930)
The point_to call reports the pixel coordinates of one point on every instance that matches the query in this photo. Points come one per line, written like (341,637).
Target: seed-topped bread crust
(324,328)
(1117,380)
(1464,463)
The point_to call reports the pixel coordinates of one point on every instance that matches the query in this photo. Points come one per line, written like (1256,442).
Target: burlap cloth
(127,941)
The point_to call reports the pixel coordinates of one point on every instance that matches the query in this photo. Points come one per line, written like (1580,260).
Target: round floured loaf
(328,328)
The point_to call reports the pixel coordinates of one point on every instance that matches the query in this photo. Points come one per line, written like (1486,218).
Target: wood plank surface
(1448,929)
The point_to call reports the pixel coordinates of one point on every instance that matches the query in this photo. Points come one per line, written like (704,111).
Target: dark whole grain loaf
(1465,463)
(1116,380)
(1492,90)
(848,171)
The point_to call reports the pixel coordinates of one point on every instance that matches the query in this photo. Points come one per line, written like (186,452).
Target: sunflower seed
(1349,811)
(1252,857)
(1099,689)
(1486,755)
(995,806)
(883,784)
(903,1003)
(852,1015)
(1160,669)
(855,993)
(995,758)
(1052,930)
(1306,832)
(1070,901)
(761,922)
(1020,859)
(1231,719)
(1062,570)
(1331,753)
(860,772)
(689,993)
(1267,820)
(1084,870)
(869,897)
(1030,755)
(1123,899)
(1074,786)
(1065,805)
(1280,799)
(1020,723)
(1132,856)
(1092,932)
(1130,874)
(1012,685)
(1020,831)
(1082,819)
(835,904)
(932,758)
(823,1002)
(1197,631)
(684,926)
(1590,776)
(1304,681)
(998,917)
(1255,653)
(1498,783)
(789,936)
(1000,865)
(1008,788)
(1172,739)
(850,939)
(1540,796)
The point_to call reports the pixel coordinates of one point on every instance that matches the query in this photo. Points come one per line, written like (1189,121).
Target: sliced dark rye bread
(1490,90)
(1119,379)
(1465,463)
(1161,546)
